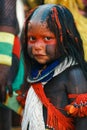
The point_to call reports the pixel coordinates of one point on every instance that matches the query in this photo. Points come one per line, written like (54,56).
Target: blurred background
(79,11)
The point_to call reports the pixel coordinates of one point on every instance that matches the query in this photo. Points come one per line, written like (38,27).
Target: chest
(56,91)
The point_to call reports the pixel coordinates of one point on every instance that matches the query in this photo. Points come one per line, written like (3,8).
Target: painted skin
(40,39)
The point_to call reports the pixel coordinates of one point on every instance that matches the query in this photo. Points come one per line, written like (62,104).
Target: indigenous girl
(56,71)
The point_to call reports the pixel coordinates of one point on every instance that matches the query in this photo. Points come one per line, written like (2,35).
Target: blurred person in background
(10,50)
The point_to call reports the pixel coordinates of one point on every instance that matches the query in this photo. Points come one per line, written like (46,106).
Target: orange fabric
(55,119)
(78,108)
(21,97)
(72,95)
(17,47)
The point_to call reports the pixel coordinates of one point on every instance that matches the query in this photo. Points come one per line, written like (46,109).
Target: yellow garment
(7,37)
(5,60)
(52,1)
(6,51)
(80,20)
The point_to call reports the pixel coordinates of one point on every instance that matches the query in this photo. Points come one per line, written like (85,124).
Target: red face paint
(41,42)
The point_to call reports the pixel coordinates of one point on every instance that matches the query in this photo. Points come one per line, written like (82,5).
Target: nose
(38,47)
(39,44)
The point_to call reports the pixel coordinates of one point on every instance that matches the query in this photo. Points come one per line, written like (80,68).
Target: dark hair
(61,22)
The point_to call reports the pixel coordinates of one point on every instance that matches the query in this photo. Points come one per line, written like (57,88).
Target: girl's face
(41,42)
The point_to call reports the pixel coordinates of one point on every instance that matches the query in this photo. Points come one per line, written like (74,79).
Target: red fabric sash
(55,119)
(17,47)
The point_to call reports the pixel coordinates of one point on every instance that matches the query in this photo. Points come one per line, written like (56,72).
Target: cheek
(29,49)
(52,51)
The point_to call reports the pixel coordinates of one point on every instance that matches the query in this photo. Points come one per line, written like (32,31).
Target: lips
(39,55)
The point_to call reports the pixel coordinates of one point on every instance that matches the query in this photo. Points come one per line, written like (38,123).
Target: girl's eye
(32,38)
(47,38)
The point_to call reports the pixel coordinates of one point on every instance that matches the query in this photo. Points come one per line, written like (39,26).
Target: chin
(42,61)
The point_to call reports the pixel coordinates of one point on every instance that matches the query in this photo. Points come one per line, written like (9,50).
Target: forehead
(38,28)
